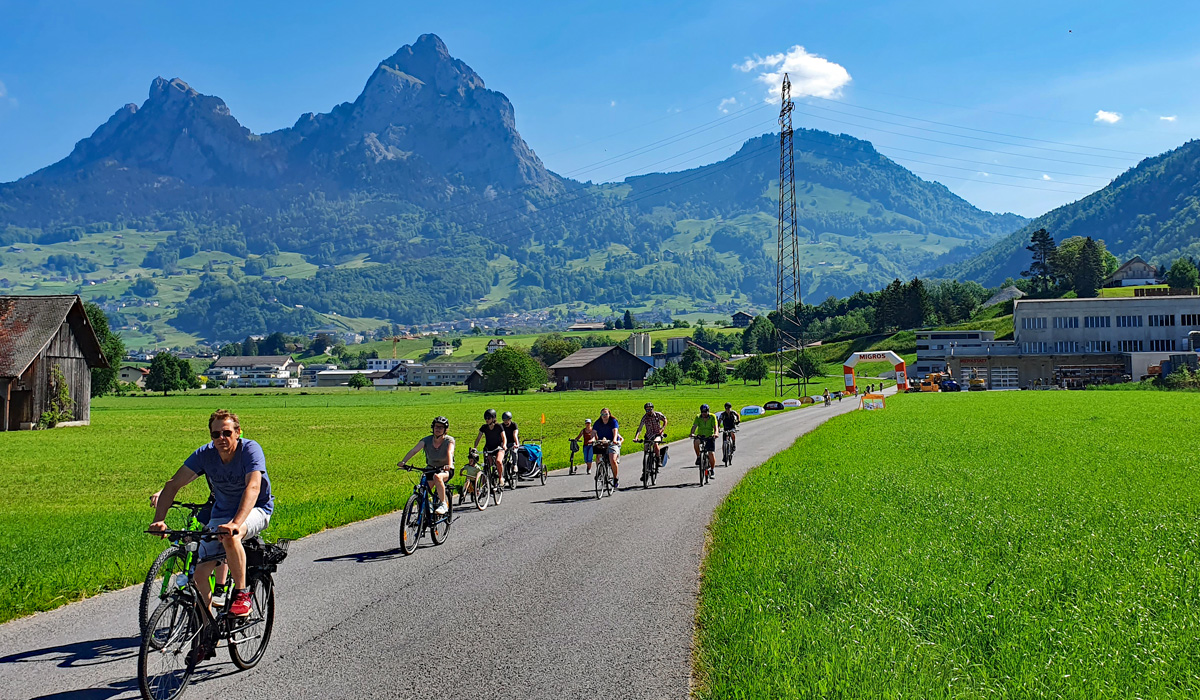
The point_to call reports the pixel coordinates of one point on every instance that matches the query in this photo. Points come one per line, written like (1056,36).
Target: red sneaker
(240,606)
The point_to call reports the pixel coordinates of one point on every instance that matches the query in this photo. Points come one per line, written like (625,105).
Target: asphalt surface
(551,594)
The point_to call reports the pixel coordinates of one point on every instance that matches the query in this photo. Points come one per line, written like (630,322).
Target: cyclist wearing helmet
(439,452)
(704,427)
(729,420)
(512,440)
(655,424)
(493,437)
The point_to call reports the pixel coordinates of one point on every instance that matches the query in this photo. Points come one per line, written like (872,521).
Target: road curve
(552,594)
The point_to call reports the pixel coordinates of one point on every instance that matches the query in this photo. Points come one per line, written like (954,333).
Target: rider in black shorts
(494,435)
(729,420)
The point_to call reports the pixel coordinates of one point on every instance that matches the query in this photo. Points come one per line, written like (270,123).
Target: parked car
(949,385)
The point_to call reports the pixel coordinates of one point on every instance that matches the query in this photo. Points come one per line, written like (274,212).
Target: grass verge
(1007,544)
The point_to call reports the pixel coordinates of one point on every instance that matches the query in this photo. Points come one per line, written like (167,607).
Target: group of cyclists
(241,501)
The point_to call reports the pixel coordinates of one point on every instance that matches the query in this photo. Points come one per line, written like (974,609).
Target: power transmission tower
(787,288)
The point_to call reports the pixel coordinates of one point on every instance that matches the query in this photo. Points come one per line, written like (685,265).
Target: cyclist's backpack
(529,460)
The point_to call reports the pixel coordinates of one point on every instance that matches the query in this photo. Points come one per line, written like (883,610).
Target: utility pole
(787,288)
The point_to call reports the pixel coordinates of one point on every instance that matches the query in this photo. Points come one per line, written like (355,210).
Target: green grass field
(1004,544)
(75,499)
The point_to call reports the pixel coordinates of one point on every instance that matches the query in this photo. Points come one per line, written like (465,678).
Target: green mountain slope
(1151,210)
(420,201)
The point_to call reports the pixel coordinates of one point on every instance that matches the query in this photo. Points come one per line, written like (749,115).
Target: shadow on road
(116,688)
(565,499)
(76,654)
(366,557)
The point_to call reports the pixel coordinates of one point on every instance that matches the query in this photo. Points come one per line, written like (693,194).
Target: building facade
(1074,342)
(934,346)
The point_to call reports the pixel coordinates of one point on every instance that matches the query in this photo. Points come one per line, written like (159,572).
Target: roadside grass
(1000,544)
(75,499)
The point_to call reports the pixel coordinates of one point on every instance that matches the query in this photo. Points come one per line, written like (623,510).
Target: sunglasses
(221,433)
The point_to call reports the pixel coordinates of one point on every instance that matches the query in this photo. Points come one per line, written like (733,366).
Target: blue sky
(1025,105)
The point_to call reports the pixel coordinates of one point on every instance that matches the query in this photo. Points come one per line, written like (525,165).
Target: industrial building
(934,346)
(1074,342)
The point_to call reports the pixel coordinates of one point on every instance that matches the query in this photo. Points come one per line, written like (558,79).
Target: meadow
(1003,544)
(76,499)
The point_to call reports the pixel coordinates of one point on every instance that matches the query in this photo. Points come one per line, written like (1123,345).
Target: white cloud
(726,104)
(1107,117)
(811,75)
(985,174)
(1169,119)
(612,104)
(1046,177)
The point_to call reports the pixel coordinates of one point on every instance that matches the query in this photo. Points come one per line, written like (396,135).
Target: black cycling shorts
(708,443)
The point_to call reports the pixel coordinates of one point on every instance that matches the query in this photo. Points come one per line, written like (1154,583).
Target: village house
(601,368)
(133,375)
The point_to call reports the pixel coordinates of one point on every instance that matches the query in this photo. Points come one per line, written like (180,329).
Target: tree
(659,347)
(105,380)
(167,374)
(457,343)
(916,308)
(698,373)
(1182,275)
(669,373)
(274,344)
(1089,270)
(358,381)
(691,357)
(476,330)
(143,287)
(759,336)
(320,345)
(250,346)
(716,373)
(1041,269)
(806,367)
(554,347)
(755,368)
(628,321)
(230,350)
(512,370)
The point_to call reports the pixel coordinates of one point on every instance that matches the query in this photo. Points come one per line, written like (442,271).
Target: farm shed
(601,368)
(38,333)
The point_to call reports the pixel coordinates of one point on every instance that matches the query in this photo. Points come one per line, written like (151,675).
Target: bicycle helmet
(440,420)
(507,415)
(649,406)
(728,405)
(704,408)
(490,413)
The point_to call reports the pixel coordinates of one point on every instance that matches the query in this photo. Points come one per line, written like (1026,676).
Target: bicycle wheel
(647,468)
(542,475)
(483,489)
(172,561)
(654,471)
(703,467)
(601,469)
(439,526)
(497,491)
(248,642)
(411,524)
(166,658)
(726,452)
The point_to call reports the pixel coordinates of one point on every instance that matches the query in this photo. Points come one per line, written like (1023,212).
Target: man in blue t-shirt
(242,501)
(606,428)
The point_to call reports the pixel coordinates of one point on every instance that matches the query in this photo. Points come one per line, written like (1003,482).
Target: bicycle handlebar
(186,535)
(424,470)
(194,507)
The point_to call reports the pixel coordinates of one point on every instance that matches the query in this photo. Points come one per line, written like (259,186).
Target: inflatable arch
(880,356)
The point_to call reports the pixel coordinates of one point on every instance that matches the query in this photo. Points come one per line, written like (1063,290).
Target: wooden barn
(601,368)
(38,333)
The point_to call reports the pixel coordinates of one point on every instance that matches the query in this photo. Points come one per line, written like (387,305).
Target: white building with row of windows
(1070,342)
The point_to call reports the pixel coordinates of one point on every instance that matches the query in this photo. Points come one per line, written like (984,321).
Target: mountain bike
(183,631)
(727,447)
(705,451)
(511,471)
(173,560)
(651,461)
(487,482)
(603,468)
(419,514)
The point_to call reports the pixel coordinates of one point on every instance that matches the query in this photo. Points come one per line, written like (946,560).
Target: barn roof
(586,356)
(29,323)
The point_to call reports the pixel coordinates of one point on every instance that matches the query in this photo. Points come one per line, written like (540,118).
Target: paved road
(552,594)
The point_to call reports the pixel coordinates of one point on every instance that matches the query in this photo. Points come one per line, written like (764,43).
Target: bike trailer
(529,461)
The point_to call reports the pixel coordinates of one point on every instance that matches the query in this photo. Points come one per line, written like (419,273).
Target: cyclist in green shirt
(704,427)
